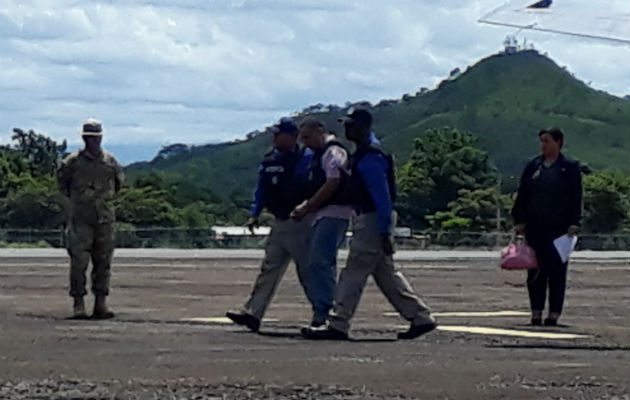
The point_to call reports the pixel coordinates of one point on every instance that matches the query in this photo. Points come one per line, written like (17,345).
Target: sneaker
(536,321)
(323,333)
(417,330)
(242,318)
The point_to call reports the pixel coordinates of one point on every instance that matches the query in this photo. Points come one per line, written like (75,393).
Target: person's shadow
(298,335)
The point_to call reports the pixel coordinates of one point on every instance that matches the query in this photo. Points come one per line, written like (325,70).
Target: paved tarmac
(256,254)
(170,338)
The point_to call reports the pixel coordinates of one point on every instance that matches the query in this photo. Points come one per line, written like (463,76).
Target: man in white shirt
(327,173)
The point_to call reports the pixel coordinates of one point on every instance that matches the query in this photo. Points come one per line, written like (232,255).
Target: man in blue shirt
(371,189)
(280,188)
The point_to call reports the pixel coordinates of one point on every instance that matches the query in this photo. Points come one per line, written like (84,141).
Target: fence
(217,238)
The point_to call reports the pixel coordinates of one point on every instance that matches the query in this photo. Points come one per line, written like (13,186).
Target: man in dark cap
(280,188)
(371,189)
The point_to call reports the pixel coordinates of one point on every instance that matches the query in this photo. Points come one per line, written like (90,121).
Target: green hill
(503,99)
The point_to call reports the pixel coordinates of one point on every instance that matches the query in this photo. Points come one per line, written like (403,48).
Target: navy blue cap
(286,125)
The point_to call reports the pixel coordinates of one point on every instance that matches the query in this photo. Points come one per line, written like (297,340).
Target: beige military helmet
(92,127)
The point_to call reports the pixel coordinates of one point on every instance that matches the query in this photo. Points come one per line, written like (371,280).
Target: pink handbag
(518,256)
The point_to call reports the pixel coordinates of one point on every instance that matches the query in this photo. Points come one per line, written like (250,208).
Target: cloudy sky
(209,70)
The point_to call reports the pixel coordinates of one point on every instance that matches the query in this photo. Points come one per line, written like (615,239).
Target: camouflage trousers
(90,241)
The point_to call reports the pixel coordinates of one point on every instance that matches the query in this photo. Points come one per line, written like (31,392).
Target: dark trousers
(551,273)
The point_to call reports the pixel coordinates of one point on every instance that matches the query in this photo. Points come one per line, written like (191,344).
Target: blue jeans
(327,236)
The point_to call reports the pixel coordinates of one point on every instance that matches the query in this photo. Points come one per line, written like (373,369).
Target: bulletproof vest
(356,191)
(317,175)
(283,188)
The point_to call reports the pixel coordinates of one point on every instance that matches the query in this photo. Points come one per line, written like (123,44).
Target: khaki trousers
(288,240)
(367,258)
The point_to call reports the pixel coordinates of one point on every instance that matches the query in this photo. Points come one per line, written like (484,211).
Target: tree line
(449,184)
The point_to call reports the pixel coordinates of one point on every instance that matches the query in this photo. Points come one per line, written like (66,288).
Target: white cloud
(214,70)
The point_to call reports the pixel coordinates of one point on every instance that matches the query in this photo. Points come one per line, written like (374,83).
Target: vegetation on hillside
(504,100)
(459,148)
(447,185)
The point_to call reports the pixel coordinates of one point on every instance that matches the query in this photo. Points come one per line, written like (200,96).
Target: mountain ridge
(504,99)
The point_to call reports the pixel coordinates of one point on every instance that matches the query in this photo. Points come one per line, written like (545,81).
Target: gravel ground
(50,389)
(189,389)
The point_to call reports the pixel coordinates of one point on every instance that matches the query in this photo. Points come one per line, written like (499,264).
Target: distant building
(454,74)
(253,134)
(510,44)
(386,103)
(222,232)
(173,150)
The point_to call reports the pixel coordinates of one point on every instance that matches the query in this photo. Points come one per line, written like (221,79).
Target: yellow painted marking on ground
(483,314)
(508,332)
(219,320)
(472,314)
(561,365)
(613,268)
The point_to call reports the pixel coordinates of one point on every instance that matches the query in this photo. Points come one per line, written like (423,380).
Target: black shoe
(323,333)
(417,330)
(100,315)
(536,321)
(242,318)
(79,317)
(551,322)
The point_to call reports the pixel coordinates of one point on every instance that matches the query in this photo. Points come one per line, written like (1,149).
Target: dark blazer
(549,198)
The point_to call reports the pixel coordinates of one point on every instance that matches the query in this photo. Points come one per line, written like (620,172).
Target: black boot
(78,309)
(100,308)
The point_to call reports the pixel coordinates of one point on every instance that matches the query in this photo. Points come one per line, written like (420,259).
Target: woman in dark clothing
(548,205)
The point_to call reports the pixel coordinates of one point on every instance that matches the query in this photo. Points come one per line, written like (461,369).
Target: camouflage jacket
(90,183)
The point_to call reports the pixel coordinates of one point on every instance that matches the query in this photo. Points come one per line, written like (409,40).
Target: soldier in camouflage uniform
(90,178)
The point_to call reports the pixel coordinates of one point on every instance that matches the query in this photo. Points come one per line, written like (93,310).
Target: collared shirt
(334,160)
(373,168)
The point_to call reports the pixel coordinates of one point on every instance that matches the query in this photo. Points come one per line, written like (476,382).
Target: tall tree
(41,153)
(481,210)
(443,162)
(606,201)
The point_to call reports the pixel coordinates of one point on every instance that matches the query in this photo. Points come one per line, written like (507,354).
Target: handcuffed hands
(300,211)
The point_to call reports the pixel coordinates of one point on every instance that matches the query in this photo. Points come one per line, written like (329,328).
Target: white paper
(565,245)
